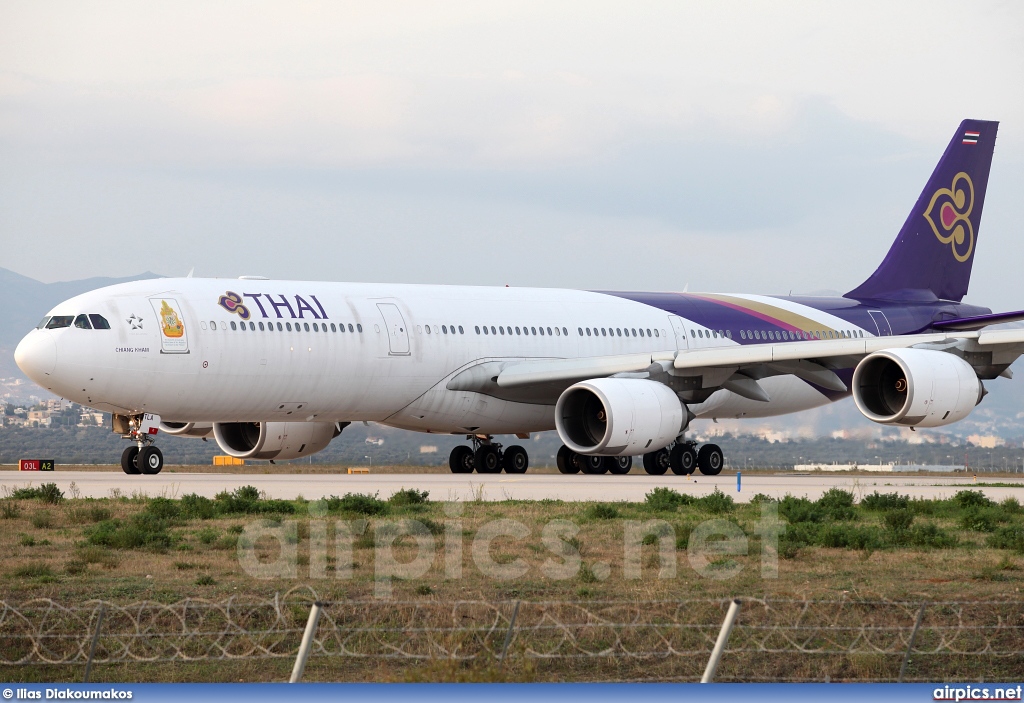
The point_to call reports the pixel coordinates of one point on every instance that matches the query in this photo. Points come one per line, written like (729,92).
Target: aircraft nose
(36,356)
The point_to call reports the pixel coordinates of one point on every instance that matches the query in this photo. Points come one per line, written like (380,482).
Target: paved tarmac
(495,487)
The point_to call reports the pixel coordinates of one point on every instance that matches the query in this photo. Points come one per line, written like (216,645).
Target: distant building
(379,441)
(879,468)
(428,449)
(39,418)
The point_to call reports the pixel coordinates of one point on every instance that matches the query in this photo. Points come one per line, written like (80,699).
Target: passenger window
(492,330)
(428,328)
(648,331)
(99,322)
(581,331)
(541,331)
(233,326)
(655,333)
(533,330)
(728,333)
(478,329)
(588,331)
(460,330)
(641,331)
(359,328)
(692,333)
(558,332)
(634,332)
(517,330)
(316,328)
(502,330)
(287,326)
(485,330)
(444,329)
(252,326)
(743,335)
(333,329)
(82,322)
(549,331)
(305,326)
(565,332)
(59,321)
(213,325)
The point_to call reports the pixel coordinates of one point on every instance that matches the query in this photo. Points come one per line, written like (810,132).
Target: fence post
(910,644)
(723,638)
(95,639)
(508,635)
(307,643)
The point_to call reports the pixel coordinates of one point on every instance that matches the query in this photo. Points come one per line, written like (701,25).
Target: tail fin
(933,253)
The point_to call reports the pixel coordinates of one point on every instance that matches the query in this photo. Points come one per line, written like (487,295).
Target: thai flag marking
(971,137)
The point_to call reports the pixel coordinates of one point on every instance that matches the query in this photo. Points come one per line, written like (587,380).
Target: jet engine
(274,440)
(187,429)
(915,387)
(618,416)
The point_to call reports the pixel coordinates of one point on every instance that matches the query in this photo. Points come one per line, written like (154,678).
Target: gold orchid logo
(954,206)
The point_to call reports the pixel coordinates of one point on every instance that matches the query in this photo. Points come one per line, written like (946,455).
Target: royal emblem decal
(232,302)
(953,207)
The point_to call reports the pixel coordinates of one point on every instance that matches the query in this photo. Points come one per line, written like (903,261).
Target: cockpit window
(42,323)
(58,321)
(82,322)
(99,322)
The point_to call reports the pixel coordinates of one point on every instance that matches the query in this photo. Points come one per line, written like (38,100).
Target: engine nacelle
(915,387)
(618,416)
(187,429)
(274,440)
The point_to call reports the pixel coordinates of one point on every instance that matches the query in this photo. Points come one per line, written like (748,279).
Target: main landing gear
(143,457)
(487,457)
(682,457)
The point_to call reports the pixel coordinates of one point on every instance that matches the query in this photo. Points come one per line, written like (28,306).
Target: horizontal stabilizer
(979,321)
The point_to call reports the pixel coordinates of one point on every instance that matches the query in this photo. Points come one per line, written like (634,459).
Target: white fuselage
(177,349)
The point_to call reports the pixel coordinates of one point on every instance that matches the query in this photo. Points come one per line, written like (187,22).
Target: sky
(720,146)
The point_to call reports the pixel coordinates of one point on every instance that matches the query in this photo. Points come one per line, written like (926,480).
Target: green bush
(205,580)
(143,531)
(885,501)
(899,520)
(34,570)
(715,503)
(762,498)
(48,493)
(797,510)
(1010,537)
(972,499)
(662,498)
(930,535)
(41,519)
(163,508)
(981,519)
(207,535)
(9,509)
(601,511)
(358,503)
(91,513)
(407,496)
(246,500)
(1010,506)
(836,504)
(851,537)
(197,507)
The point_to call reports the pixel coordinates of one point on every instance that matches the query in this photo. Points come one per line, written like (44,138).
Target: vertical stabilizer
(934,251)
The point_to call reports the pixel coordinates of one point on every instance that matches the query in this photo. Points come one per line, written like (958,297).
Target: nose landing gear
(144,457)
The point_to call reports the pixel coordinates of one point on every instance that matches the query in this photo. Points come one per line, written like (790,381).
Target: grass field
(133,549)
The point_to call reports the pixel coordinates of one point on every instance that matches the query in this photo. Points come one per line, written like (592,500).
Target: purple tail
(933,253)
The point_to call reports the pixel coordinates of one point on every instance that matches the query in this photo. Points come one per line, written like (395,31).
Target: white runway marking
(496,487)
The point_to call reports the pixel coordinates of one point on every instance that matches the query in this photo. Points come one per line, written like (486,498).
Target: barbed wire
(773,639)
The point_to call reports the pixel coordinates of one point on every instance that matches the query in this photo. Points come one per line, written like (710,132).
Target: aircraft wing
(738,368)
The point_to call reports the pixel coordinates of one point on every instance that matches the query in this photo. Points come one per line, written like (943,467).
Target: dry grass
(202,561)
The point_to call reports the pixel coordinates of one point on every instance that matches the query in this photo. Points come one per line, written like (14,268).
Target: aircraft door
(398,331)
(680,330)
(881,322)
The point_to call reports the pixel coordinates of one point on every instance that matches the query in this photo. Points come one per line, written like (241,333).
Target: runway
(497,487)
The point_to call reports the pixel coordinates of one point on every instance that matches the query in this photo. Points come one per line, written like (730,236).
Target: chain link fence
(773,639)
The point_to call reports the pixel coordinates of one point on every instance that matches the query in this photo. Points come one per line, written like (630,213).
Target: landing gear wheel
(594,465)
(566,461)
(150,460)
(487,459)
(128,457)
(657,463)
(683,459)
(710,460)
(620,465)
(460,461)
(515,460)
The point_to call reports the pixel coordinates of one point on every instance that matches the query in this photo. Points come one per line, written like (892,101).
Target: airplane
(274,370)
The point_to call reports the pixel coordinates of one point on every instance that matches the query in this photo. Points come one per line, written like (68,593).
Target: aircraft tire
(710,460)
(620,465)
(594,465)
(683,459)
(460,461)
(128,457)
(487,459)
(515,460)
(150,460)
(566,461)
(657,463)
